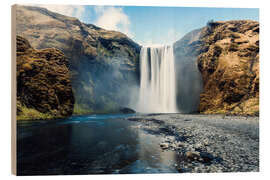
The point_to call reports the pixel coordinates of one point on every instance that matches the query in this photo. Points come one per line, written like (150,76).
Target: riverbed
(134,143)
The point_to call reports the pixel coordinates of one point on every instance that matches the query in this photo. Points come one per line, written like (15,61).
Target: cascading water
(157,85)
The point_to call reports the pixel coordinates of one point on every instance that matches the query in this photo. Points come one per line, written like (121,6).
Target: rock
(192,155)
(164,145)
(230,68)
(43,83)
(126,110)
(227,57)
(198,146)
(206,157)
(181,144)
(103,64)
(206,142)
(190,148)
(173,145)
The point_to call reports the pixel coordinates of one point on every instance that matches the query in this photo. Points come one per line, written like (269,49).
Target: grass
(109,108)
(78,109)
(30,114)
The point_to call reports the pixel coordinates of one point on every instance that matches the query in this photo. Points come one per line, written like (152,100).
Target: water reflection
(89,145)
(153,159)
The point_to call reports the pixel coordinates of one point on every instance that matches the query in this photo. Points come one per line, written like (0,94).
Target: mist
(104,85)
(188,77)
(111,83)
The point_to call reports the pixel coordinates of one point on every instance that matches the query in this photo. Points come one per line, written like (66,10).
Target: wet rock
(181,144)
(219,150)
(126,110)
(164,145)
(192,155)
(206,157)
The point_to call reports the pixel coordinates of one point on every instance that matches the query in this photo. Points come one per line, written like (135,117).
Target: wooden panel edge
(13,92)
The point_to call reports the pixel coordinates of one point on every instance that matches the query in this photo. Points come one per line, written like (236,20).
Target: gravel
(207,143)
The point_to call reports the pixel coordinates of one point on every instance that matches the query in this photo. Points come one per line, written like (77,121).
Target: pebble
(199,145)
(192,155)
(211,144)
(206,142)
(181,144)
(164,145)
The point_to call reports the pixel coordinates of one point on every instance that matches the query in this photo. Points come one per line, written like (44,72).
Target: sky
(148,25)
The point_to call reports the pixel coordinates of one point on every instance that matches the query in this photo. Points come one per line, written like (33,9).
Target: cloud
(68,10)
(113,18)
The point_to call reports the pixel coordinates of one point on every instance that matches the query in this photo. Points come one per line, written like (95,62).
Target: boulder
(126,110)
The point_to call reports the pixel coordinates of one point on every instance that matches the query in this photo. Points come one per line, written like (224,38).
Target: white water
(157,85)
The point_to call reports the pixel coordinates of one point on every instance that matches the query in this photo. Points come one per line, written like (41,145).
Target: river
(124,144)
(89,144)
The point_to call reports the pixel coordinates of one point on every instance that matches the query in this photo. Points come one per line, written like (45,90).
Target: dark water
(95,144)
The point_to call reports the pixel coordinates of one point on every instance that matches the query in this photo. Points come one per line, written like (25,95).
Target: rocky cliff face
(43,83)
(103,64)
(188,77)
(229,64)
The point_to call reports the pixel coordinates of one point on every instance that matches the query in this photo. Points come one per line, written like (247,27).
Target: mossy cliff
(103,64)
(43,83)
(218,68)
(229,64)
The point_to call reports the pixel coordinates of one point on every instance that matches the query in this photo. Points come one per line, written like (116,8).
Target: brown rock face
(43,83)
(229,64)
(103,64)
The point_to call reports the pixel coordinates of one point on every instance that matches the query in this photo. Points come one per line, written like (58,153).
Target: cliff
(229,64)
(103,64)
(43,83)
(188,77)
(217,66)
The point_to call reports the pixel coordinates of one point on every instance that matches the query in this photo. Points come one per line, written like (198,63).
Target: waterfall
(157,85)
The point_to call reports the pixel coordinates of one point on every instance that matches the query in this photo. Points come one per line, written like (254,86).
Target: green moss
(109,105)
(30,114)
(81,109)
